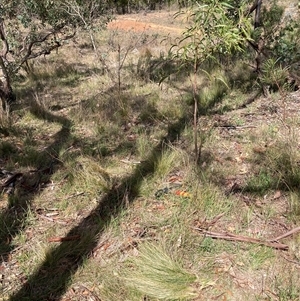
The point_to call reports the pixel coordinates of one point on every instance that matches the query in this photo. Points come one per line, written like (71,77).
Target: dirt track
(152,22)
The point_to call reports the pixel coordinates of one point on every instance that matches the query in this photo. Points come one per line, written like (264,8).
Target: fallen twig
(130,162)
(50,219)
(75,195)
(234,237)
(292,261)
(236,127)
(11,179)
(289,233)
(216,219)
(46,218)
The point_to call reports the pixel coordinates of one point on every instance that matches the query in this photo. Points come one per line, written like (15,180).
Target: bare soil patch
(162,22)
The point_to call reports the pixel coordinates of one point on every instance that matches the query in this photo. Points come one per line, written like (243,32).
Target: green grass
(7,149)
(278,167)
(288,290)
(258,257)
(261,183)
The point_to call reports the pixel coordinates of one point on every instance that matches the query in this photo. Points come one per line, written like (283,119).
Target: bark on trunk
(7,96)
(6,92)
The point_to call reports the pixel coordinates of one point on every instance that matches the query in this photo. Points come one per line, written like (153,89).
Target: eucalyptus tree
(33,28)
(212,31)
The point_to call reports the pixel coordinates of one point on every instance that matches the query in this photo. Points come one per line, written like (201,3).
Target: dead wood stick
(292,261)
(213,221)
(234,237)
(52,219)
(216,218)
(236,127)
(75,195)
(46,218)
(289,233)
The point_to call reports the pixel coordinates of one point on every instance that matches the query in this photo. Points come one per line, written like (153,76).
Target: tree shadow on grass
(51,280)
(44,164)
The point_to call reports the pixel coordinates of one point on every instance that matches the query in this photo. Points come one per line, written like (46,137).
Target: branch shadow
(50,281)
(52,278)
(45,164)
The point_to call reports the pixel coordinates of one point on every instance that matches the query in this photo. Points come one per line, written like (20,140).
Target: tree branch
(46,50)
(289,233)
(233,237)
(252,8)
(5,48)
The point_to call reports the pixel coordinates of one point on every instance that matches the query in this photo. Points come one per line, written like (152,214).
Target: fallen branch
(50,219)
(216,219)
(292,261)
(75,195)
(234,237)
(236,127)
(130,162)
(12,179)
(289,233)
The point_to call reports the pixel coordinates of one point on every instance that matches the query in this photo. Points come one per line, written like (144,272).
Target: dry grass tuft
(158,276)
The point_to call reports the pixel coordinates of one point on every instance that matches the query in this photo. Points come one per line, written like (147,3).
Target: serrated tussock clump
(158,276)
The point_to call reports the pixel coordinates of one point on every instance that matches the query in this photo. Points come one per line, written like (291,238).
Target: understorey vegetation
(149,150)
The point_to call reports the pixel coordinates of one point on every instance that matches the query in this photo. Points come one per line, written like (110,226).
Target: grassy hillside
(101,198)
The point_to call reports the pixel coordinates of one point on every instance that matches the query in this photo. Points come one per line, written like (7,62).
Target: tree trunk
(257,14)
(7,96)
(6,92)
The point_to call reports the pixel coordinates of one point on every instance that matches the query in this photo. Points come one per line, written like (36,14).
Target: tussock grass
(294,203)
(278,166)
(87,176)
(283,161)
(171,160)
(158,276)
